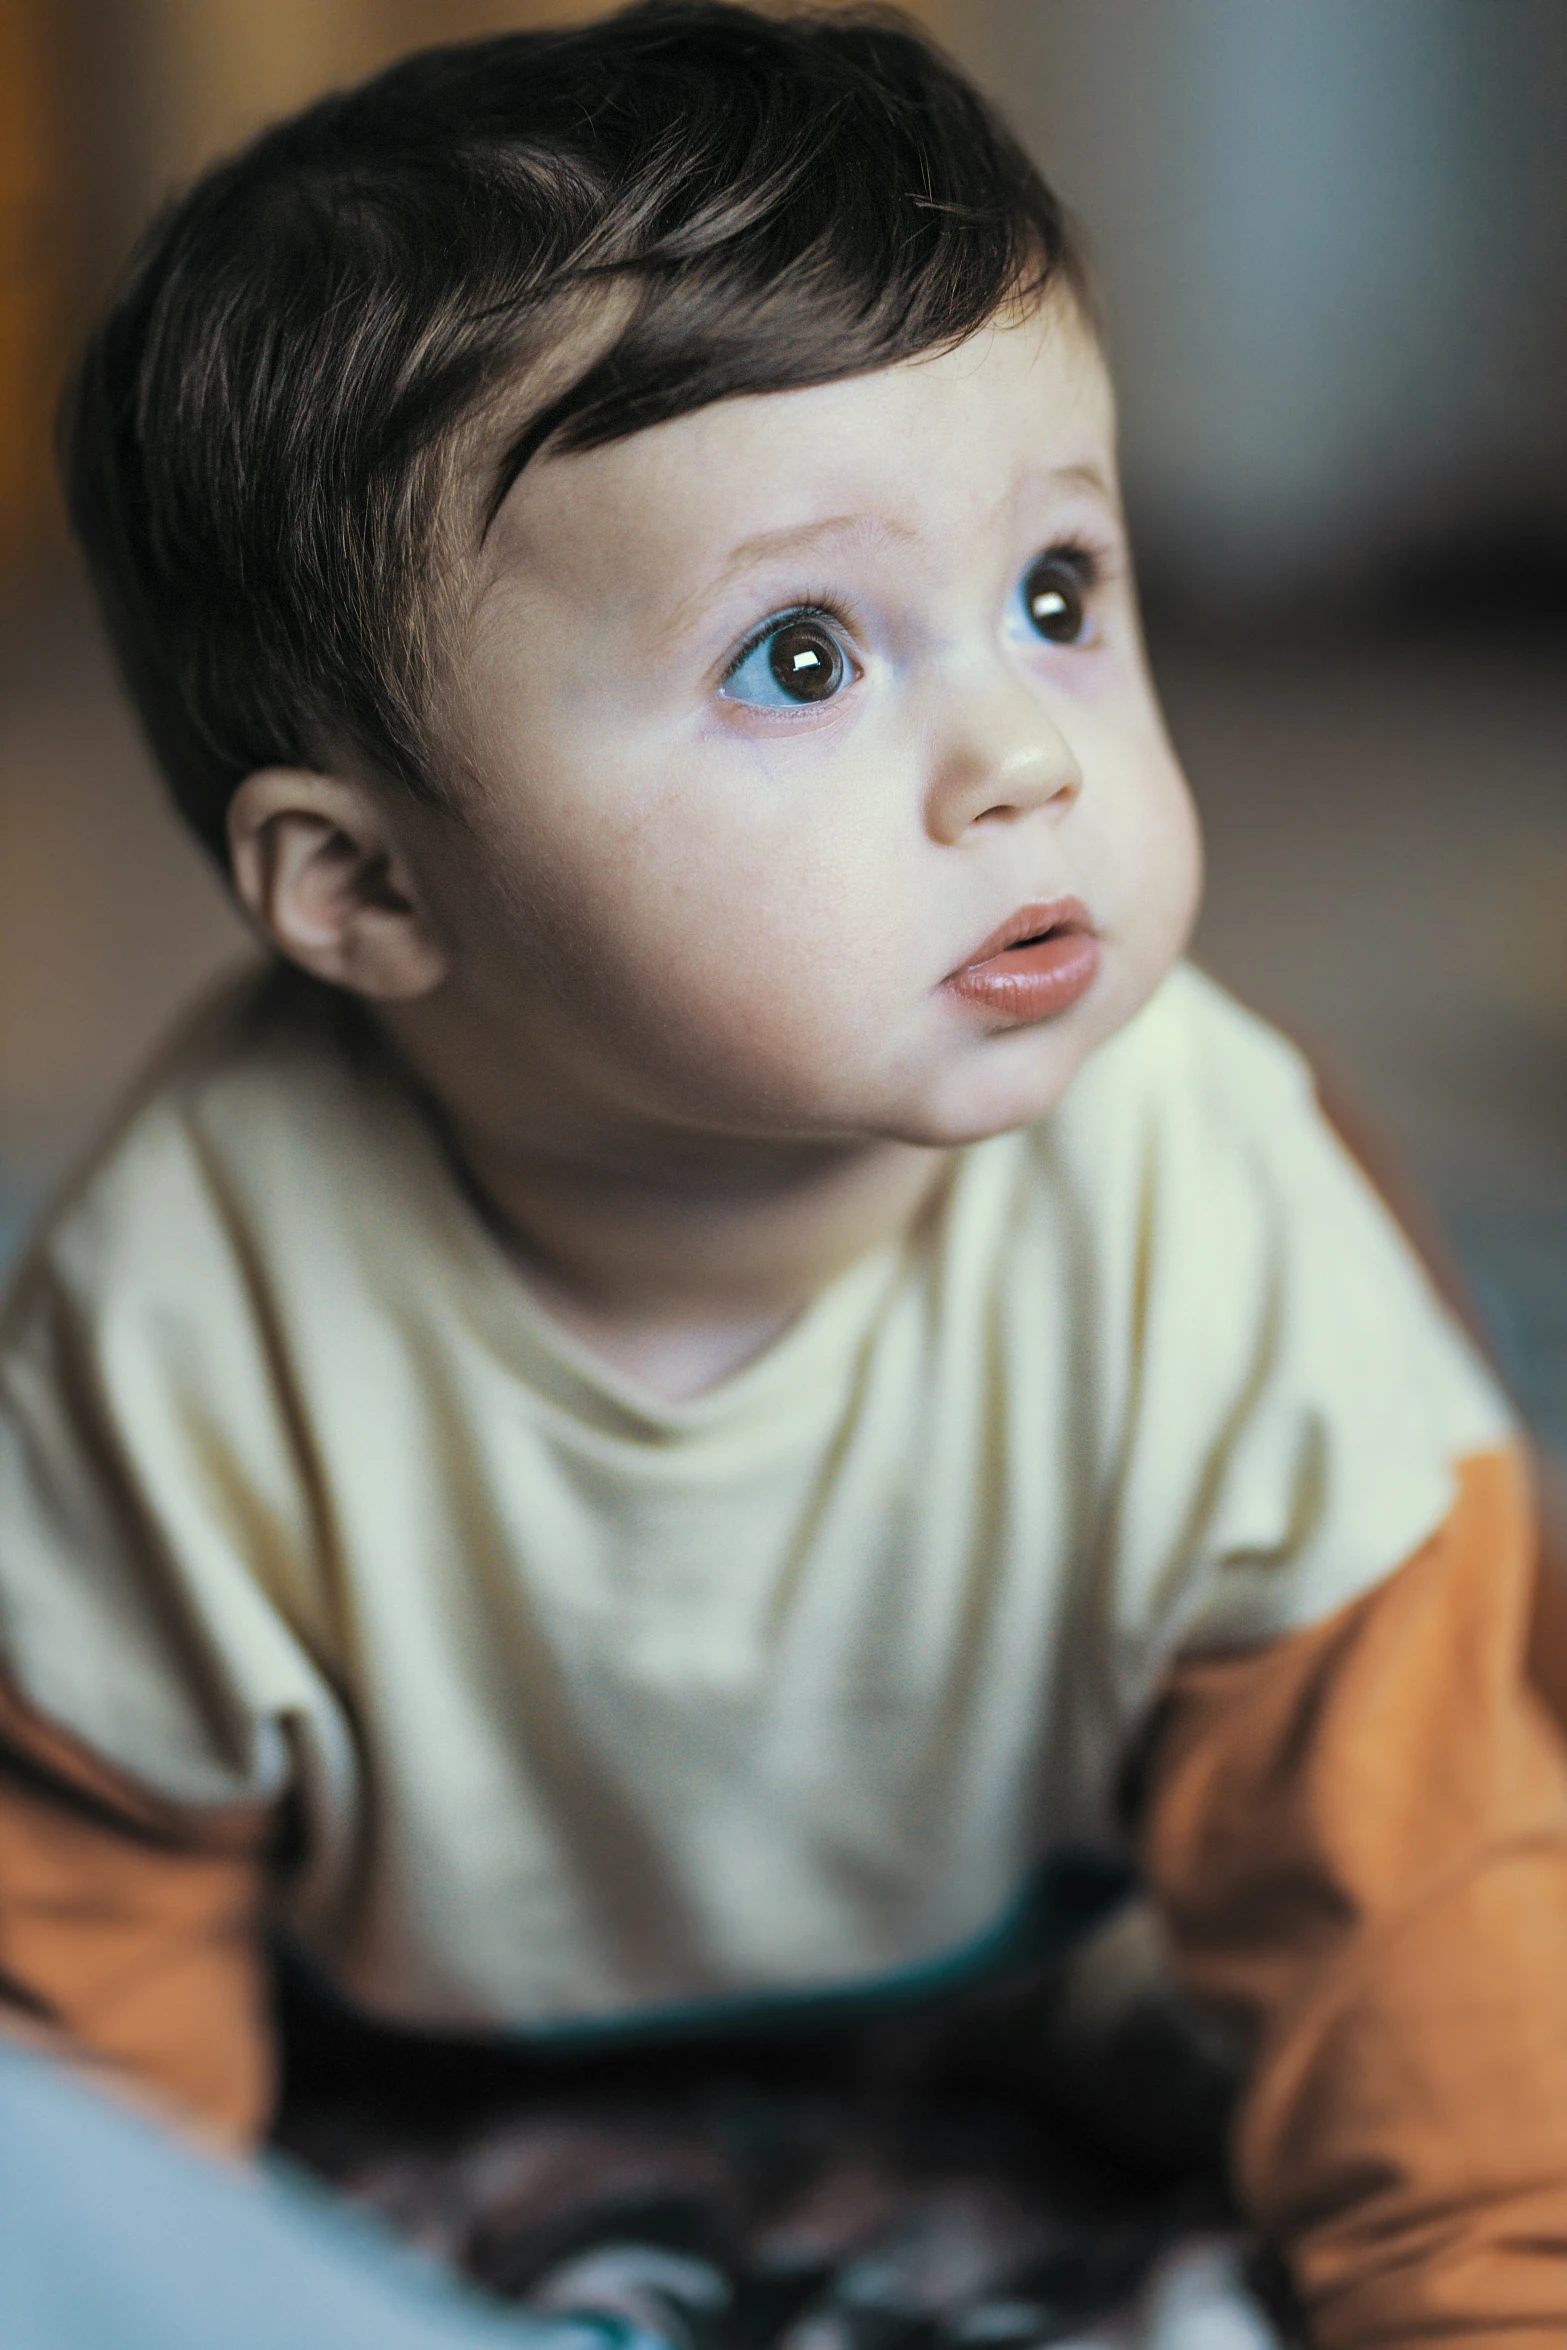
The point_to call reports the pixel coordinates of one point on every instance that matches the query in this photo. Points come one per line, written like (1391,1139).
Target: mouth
(1037,964)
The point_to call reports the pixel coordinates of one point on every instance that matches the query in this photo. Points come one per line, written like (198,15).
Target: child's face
(776,718)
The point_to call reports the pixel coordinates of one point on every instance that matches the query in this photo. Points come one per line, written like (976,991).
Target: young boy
(728,1356)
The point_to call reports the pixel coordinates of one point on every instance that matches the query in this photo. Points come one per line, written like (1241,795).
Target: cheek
(693,925)
(767,932)
(788,856)
(1140,842)
(1167,854)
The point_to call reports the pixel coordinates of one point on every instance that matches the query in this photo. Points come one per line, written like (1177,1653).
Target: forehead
(919,451)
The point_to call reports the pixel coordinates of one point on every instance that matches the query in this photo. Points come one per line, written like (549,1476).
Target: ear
(318,870)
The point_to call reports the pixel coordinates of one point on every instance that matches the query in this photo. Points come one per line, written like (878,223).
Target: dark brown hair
(256,441)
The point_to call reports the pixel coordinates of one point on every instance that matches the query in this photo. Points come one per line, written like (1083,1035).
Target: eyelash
(1089,562)
(822,607)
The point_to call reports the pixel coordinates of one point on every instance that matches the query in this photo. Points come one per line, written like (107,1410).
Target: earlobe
(318,872)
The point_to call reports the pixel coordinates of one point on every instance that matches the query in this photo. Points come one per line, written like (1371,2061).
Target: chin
(1020,1084)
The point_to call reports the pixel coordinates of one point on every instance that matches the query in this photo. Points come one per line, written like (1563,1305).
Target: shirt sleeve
(1278,1392)
(131,1929)
(1358,1837)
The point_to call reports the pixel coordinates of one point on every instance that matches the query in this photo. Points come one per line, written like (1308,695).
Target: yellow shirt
(593,1704)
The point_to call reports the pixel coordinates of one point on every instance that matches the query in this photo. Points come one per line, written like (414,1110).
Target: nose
(999,756)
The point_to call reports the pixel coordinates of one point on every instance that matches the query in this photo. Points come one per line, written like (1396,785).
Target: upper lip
(1029,922)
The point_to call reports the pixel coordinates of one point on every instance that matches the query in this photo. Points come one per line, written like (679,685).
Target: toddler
(726,1370)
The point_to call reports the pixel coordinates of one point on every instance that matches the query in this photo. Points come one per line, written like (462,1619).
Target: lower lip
(1031,982)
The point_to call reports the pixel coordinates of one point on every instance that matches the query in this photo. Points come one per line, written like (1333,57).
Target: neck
(680,1277)
(674,1255)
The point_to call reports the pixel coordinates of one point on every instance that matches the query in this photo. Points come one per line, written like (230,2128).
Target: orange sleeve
(130,1929)
(1358,1837)
(1548,1628)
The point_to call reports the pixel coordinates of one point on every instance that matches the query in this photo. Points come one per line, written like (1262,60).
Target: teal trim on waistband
(1065,1898)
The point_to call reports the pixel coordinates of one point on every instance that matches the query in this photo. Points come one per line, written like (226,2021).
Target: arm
(1358,1836)
(130,1929)
(1368,1144)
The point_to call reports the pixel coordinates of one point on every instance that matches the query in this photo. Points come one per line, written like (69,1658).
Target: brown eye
(1053,599)
(806,661)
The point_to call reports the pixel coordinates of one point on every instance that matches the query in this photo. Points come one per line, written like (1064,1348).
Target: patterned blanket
(997,2173)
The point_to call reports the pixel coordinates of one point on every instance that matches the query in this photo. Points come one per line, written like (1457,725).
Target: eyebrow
(1086,476)
(765,545)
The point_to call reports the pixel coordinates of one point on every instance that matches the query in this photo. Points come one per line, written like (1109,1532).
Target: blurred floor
(1387,836)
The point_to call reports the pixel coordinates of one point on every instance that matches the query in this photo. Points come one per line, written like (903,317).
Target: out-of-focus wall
(1333,238)
(39,232)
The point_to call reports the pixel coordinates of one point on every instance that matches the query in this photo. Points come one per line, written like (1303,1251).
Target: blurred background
(1332,238)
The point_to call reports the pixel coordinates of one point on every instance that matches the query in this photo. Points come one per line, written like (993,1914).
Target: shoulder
(270,1090)
(151,1472)
(1203,1120)
(1185,1147)
(1193,1060)
(1300,1396)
